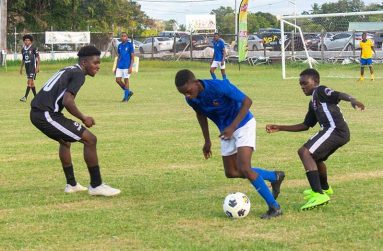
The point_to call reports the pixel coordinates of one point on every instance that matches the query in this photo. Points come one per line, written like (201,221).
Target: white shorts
(244,136)
(215,64)
(122,73)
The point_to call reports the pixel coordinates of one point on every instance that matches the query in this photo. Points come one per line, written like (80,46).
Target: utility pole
(236,19)
(3,24)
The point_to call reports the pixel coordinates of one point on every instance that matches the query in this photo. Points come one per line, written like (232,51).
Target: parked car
(343,40)
(199,42)
(159,44)
(254,43)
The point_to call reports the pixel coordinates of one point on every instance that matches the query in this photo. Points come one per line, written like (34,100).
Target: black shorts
(326,142)
(56,126)
(31,72)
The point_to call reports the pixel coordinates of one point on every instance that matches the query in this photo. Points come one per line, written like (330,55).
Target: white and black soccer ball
(236,205)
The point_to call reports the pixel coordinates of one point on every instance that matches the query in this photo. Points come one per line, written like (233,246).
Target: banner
(200,23)
(63,37)
(242,31)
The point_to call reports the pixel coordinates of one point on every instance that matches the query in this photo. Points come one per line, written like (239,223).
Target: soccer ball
(236,205)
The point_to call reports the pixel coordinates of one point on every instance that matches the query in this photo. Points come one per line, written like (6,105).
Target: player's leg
(322,169)
(27,90)
(244,165)
(120,83)
(223,71)
(127,92)
(362,64)
(213,66)
(90,156)
(371,69)
(72,185)
(230,166)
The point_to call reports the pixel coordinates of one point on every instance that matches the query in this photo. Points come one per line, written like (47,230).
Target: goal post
(329,42)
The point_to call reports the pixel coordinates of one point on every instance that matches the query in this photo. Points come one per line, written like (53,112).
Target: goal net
(330,43)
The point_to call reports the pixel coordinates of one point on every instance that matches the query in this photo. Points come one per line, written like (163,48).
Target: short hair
(28,36)
(88,51)
(183,76)
(314,74)
(124,32)
(216,33)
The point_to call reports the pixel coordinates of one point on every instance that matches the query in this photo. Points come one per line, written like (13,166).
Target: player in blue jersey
(228,108)
(125,62)
(218,56)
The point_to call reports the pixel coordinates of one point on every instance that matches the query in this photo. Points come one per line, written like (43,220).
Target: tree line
(117,15)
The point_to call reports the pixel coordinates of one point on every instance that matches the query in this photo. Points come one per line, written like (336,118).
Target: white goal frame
(283,21)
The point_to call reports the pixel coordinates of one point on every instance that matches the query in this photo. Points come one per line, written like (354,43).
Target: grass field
(171,197)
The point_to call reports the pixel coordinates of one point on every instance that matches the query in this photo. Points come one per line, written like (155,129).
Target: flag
(242,31)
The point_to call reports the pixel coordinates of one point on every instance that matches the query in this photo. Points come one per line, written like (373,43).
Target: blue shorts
(366,61)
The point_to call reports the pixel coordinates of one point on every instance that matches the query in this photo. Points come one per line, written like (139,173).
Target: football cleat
(276,185)
(272,213)
(23,99)
(73,189)
(103,190)
(309,192)
(316,200)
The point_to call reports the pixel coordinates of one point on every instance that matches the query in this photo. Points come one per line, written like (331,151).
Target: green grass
(171,197)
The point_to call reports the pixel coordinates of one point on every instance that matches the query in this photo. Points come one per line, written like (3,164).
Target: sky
(177,9)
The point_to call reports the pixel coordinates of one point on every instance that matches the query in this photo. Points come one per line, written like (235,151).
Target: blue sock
(213,75)
(264,191)
(224,76)
(126,93)
(266,175)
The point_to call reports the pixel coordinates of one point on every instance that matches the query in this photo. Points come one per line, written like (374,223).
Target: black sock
(323,182)
(34,91)
(69,175)
(95,176)
(313,177)
(27,91)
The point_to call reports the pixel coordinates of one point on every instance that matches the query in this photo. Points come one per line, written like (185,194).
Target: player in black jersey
(334,133)
(59,92)
(31,60)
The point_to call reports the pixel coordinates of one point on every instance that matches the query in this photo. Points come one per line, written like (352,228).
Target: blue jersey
(124,51)
(219,47)
(220,101)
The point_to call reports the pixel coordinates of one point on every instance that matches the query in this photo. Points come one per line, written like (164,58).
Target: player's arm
(37,62)
(21,66)
(202,120)
(288,128)
(70,105)
(228,132)
(373,49)
(354,103)
(131,62)
(223,53)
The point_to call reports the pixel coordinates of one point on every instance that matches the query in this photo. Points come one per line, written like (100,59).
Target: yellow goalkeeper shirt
(366,48)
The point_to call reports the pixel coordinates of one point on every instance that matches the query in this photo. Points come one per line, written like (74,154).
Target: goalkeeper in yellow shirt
(366,49)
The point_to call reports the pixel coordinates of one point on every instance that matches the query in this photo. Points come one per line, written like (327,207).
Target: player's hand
(37,69)
(272,128)
(115,71)
(88,121)
(227,133)
(207,150)
(130,70)
(223,62)
(21,71)
(356,104)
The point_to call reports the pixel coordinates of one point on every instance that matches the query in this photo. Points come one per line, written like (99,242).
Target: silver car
(254,43)
(159,44)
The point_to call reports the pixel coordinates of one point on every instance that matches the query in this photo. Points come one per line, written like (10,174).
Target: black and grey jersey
(50,97)
(324,109)
(30,55)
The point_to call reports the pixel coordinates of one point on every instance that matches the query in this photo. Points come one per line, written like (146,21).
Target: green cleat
(316,200)
(309,192)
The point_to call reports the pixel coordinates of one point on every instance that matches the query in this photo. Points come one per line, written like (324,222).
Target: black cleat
(272,213)
(276,185)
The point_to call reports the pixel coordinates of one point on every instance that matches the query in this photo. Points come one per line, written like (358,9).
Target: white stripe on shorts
(327,134)
(60,127)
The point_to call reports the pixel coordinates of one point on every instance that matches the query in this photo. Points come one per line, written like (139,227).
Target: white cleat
(74,189)
(103,190)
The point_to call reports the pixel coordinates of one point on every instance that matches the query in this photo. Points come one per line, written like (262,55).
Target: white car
(343,40)
(159,44)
